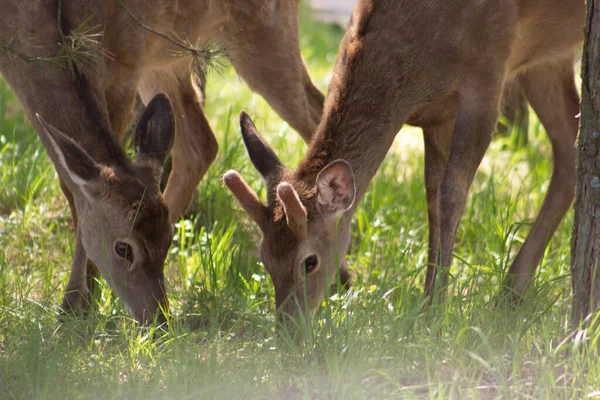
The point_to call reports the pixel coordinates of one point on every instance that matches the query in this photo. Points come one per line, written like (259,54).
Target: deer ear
(155,131)
(69,156)
(335,188)
(262,156)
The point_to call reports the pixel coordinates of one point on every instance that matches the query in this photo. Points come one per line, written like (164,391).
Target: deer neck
(69,106)
(356,137)
(64,98)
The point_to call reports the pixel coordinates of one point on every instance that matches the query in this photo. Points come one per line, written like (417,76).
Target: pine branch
(204,56)
(77,51)
(7,45)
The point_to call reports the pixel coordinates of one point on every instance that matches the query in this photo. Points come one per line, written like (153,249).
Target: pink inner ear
(335,186)
(339,182)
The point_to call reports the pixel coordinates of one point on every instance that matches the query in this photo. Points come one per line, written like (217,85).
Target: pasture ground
(376,341)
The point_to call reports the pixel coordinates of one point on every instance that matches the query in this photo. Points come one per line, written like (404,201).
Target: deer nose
(155,308)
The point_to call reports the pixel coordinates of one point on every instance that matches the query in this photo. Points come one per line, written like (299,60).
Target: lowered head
(123,223)
(302,245)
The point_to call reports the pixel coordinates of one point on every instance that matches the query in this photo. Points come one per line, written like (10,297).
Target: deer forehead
(282,250)
(128,192)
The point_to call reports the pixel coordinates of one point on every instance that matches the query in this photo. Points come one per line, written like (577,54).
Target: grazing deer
(121,218)
(441,65)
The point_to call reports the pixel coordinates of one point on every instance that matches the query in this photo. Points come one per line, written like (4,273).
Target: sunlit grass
(375,341)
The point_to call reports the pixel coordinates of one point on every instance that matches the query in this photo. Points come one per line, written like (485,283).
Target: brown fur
(96,107)
(441,65)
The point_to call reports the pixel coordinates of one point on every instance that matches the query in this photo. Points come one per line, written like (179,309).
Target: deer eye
(124,251)
(310,263)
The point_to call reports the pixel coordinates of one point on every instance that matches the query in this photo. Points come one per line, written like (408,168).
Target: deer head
(123,222)
(302,244)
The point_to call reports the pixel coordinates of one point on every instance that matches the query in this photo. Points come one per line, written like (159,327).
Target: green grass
(376,341)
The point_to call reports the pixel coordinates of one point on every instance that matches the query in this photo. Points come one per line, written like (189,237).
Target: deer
(439,65)
(81,106)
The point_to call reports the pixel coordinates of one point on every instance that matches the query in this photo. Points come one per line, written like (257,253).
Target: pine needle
(208,55)
(81,47)
(77,53)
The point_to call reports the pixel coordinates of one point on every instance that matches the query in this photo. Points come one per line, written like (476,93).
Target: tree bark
(585,244)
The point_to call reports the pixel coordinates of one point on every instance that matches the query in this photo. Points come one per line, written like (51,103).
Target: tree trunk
(585,244)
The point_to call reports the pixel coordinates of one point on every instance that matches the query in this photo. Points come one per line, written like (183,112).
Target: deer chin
(300,304)
(294,312)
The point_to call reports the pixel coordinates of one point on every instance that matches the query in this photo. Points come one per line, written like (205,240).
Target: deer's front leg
(76,299)
(120,101)
(437,145)
(119,87)
(71,301)
(476,116)
(267,57)
(553,95)
(195,146)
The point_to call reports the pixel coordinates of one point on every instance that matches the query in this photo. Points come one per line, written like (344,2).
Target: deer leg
(437,145)
(476,115)
(92,275)
(268,58)
(120,100)
(195,146)
(82,281)
(553,95)
(514,108)
(76,297)
(345,276)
